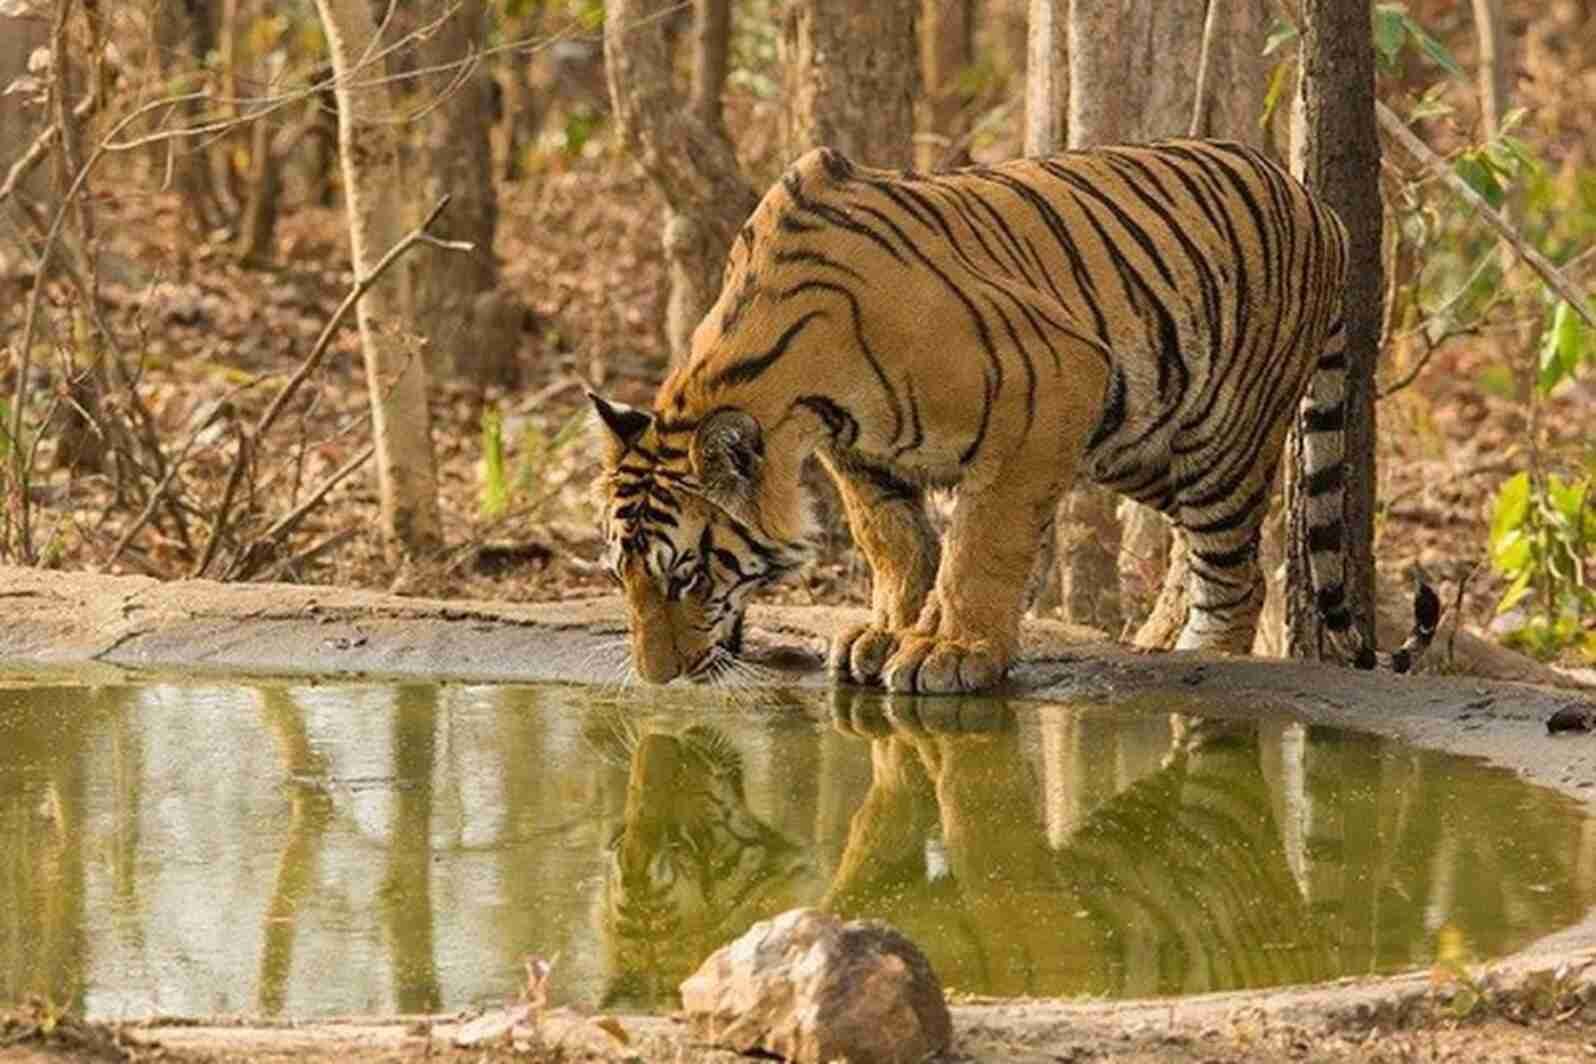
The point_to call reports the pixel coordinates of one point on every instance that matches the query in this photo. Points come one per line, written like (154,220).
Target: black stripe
(916,429)
(1325,538)
(1229,559)
(842,425)
(750,369)
(856,316)
(805,256)
(1324,418)
(1324,481)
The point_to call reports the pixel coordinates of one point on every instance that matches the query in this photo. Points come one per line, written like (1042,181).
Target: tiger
(690,865)
(1150,316)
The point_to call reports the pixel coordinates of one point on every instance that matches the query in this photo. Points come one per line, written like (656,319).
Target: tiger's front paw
(859,653)
(942,666)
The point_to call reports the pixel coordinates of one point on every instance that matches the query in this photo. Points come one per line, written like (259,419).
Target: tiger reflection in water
(1168,886)
(690,865)
(1123,851)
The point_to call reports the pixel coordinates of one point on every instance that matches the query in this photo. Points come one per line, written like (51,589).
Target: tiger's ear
(624,424)
(728,456)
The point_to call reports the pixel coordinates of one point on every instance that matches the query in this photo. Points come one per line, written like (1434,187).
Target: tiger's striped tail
(1322,420)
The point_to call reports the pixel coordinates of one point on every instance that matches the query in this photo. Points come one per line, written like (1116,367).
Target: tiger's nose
(658,670)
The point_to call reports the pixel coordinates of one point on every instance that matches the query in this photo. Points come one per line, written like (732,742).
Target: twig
(22,469)
(219,525)
(312,552)
(243,564)
(220,410)
(416,236)
(41,145)
(1553,277)
(1204,62)
(1457,611)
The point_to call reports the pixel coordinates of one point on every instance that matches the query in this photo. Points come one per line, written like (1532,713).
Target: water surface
(322,850)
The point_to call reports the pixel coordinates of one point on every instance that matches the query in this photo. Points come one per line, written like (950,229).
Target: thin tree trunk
(947,48)
(1047,78)
(691,161)
(853,73)
(1491,34)
(711,47)
(262,195)
(396,374)
(1339,158)
(458,161)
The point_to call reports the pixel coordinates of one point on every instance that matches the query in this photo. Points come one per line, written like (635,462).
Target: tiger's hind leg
(887,517)
(1225,587)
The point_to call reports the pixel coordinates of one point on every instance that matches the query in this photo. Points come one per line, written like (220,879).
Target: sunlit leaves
(1564,347)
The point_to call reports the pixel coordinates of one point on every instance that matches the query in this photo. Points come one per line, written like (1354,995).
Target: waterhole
(182,849)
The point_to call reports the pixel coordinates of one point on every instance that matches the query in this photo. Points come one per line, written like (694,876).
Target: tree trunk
(852,76)
(262,194)
(690,160)
(711,47)
(396,374)
(947,48)
(1047,79)
(458,161)
(1339,158)
(522,117)
(1491,34)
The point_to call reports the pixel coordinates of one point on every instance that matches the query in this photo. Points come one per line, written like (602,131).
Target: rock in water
(813,989)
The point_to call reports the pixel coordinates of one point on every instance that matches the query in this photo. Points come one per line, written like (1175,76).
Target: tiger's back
(1152,315)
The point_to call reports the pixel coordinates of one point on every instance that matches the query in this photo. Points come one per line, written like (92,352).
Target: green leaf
(1563,347)
(1479,177)
(495,491)
(1568,499)
(1432,104)
(1512,120)
(1512,506)
(1524,161)
(1281,33)
(1512,554)
(1515,592)
(1390,31)
(1432,47)
(1279,85)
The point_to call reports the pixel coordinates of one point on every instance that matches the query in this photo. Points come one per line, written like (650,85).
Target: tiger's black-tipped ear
(728,456)
(625,424)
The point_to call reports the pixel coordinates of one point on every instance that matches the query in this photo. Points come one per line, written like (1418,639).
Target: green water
(319,850)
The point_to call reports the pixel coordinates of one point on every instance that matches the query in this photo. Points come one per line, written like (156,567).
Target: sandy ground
(1532,1006)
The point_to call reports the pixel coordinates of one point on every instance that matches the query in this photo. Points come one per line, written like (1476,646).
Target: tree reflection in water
(219,847)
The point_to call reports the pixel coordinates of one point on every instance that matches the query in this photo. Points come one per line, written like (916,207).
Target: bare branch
(319,350)
(41,145)
(1204,62)
(249,558)
(1554,278)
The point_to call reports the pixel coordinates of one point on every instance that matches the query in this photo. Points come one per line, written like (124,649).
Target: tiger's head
(689,533)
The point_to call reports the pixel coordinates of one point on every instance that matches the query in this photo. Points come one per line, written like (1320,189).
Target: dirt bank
(95,627)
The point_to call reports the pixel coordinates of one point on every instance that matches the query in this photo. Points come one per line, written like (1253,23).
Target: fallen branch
(1554,278)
